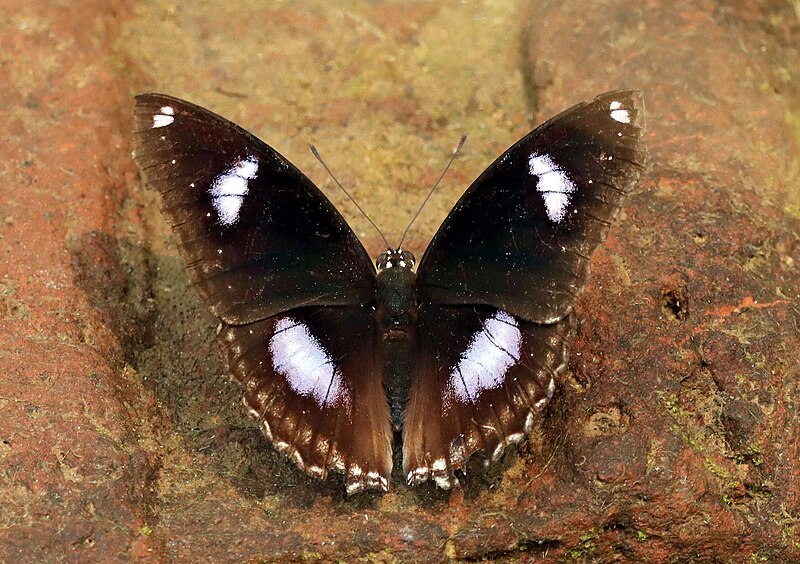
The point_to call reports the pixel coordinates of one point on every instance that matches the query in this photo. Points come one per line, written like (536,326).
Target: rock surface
(675,435)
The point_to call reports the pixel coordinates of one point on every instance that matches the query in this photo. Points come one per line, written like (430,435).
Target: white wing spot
(515,438)
(618,114)
(554,185)
(164,118)
(308,368)
(255,414)
(491,352)
(229,189)
(266,429)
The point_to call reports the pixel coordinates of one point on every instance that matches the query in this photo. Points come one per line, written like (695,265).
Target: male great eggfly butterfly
(460,356)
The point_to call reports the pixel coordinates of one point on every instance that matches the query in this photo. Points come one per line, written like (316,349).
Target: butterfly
(342,362)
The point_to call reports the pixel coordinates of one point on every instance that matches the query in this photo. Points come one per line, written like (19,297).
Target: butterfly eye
(407,260)
(384,261)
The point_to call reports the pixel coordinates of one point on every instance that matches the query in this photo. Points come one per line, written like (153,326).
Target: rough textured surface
(675,435)
(77,468)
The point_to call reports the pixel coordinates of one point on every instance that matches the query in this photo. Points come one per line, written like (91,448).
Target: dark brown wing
(482,378)
(280,267)
(520,237)
(258,237)
(313,380)
(499,280)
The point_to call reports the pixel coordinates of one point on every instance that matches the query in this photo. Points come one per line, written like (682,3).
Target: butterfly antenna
(435,186)
(346,193)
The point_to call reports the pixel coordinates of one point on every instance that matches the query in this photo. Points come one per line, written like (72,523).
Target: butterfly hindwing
(482,377)
(312,377)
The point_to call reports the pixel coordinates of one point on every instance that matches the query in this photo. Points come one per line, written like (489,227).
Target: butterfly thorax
(396,317)
(396,309)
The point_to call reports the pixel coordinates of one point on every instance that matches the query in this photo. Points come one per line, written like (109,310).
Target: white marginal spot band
(229,189)
(619,114)
(554,185)
(308,368)
(491,352)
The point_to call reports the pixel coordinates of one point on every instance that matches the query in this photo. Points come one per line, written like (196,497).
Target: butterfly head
(395,259)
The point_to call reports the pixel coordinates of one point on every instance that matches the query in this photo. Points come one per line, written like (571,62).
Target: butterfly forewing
(258,237)
(521,236)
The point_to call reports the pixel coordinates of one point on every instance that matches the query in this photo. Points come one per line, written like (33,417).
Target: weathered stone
(675,435)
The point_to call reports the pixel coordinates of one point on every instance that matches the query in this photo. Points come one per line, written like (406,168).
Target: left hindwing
(312,379)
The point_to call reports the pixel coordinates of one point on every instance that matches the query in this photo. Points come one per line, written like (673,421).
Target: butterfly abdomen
(396,319)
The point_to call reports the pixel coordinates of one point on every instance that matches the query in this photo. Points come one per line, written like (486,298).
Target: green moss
(672,404)
(674,407)
(642,536)
(579,553)
(592,534)
(760,492)
(145,530)
(587,545)
(688,437)
(752,455)
(717,470)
